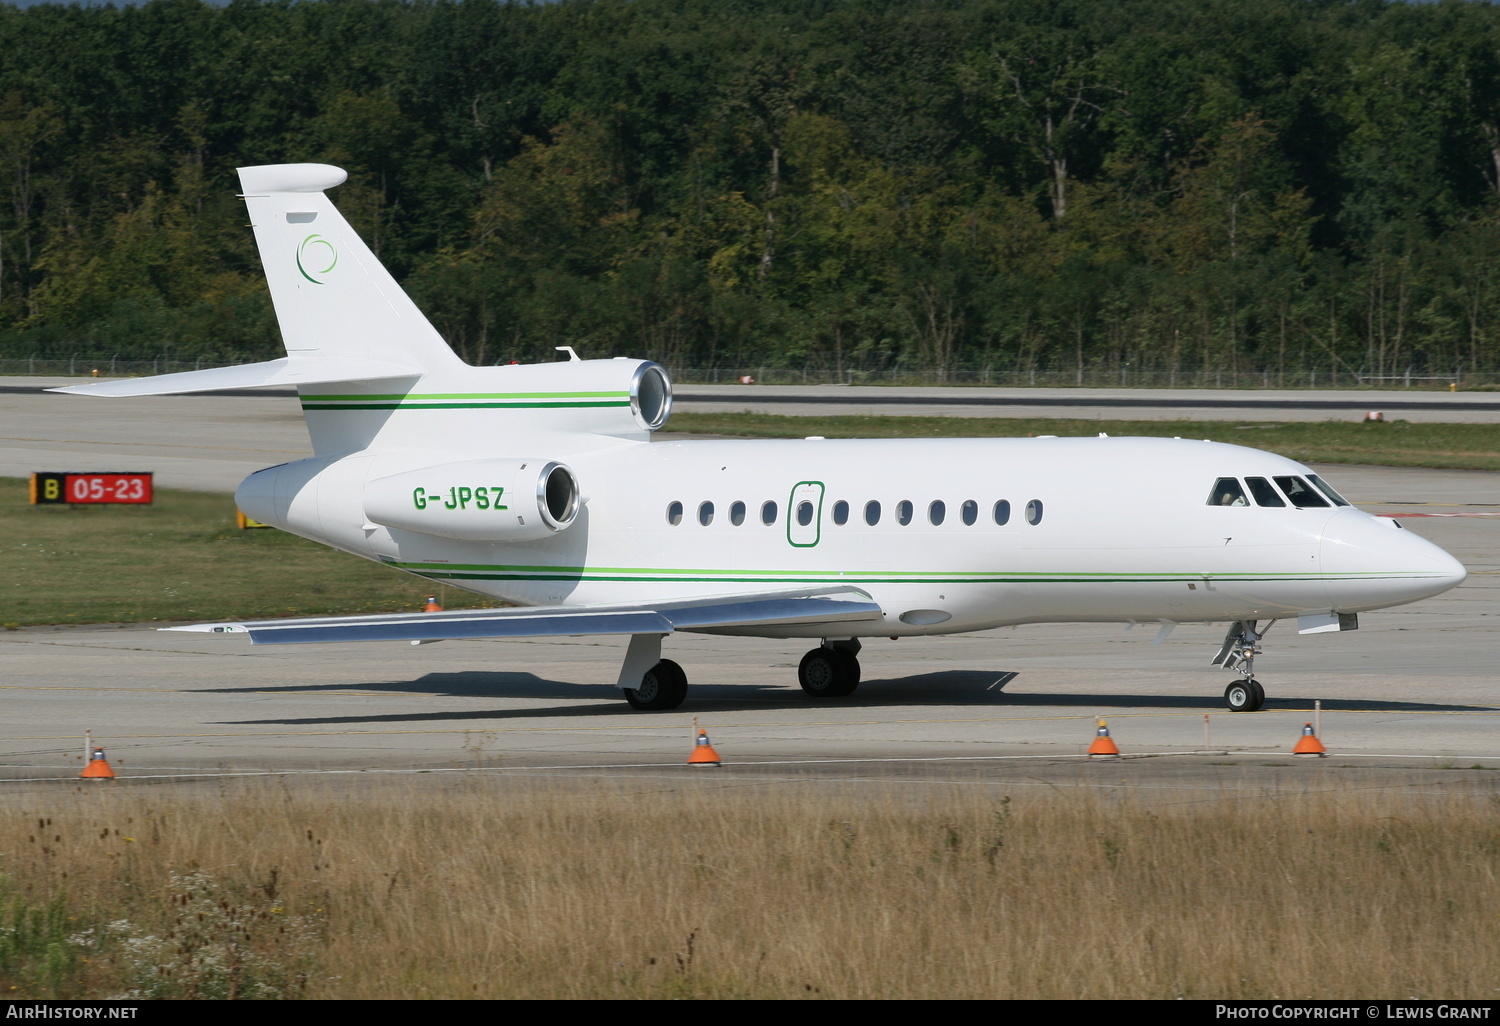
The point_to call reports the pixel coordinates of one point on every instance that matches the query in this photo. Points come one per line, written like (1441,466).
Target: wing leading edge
(803,608)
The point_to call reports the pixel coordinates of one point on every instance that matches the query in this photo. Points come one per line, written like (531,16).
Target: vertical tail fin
(333,298)
(371,371)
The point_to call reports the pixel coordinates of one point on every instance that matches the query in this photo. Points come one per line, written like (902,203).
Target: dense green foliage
(1285,186)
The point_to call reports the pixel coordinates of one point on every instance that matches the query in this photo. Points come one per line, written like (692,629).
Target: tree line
(1289,187)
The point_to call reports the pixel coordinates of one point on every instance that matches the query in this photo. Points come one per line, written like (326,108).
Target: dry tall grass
(503,887)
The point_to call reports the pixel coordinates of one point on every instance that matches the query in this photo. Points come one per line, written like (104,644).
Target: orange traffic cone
(98,767)
(1103,746)
(432,605)
(1308,745)
(703,752)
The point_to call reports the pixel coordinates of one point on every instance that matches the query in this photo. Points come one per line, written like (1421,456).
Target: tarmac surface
(1411,700)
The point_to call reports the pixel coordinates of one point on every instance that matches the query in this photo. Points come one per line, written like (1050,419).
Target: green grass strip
(1395,443)
(181,558)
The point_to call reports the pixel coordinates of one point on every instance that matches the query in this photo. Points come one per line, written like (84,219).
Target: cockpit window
(1227,492)
(1300,492)
(1327,489)
(1265,494)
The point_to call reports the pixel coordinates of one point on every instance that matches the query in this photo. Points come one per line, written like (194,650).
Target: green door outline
(804,536)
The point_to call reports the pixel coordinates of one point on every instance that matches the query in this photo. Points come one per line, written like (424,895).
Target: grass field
(181,558)
(1388,443)
(485,886)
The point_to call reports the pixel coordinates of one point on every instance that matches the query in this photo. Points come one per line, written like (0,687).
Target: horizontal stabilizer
(283,372)
(835,605)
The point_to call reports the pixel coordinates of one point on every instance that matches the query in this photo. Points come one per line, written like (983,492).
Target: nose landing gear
(1241,645)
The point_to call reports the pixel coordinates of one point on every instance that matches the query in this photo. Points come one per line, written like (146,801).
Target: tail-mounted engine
(478,500)
(540,407)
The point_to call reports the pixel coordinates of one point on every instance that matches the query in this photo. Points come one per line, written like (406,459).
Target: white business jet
(539,485)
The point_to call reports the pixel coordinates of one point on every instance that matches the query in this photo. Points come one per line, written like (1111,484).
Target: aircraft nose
(1371,562)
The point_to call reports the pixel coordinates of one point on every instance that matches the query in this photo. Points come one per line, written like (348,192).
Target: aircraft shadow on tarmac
(945,688)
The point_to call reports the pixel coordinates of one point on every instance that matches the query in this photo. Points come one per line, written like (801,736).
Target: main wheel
(828,673)
(664,686)
(1244,696)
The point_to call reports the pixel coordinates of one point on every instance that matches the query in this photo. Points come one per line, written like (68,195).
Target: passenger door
(804,514)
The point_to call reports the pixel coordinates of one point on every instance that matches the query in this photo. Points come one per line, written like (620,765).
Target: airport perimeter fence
(1411,378)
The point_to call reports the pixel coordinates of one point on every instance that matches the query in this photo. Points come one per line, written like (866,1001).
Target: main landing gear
(831,671)
(664,686)
(828,672)
(1241,645)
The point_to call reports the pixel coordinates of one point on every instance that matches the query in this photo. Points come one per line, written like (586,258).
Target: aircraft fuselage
(1094,529)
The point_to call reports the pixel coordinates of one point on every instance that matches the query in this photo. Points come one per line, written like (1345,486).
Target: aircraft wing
(804,608)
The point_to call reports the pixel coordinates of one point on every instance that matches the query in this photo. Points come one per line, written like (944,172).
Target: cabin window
(970,512)
(936,512)
(1034,512)
(1002,512)
(706,513)
(1300,492)
(841,512)
(1327,489)
(737,513)
(1227,492)
(1265,494)
(872,512)
(674,513)
(768,513)
(903,512)
(804,512)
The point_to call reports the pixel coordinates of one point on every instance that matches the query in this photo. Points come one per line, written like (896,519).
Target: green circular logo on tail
(316,255)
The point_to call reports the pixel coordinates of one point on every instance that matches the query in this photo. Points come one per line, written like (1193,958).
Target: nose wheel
(1245,695)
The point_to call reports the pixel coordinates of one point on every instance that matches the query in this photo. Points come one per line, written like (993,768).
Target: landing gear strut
(831,671)
(1241,645)
(664,686)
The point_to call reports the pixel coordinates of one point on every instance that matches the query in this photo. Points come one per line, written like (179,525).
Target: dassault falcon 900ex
(539,485)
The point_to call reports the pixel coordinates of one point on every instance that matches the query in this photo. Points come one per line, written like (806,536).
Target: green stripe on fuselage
(463,406)
(497,572)
(466,395)
(469,401)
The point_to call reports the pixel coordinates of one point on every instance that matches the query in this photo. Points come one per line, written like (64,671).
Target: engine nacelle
(478,500)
